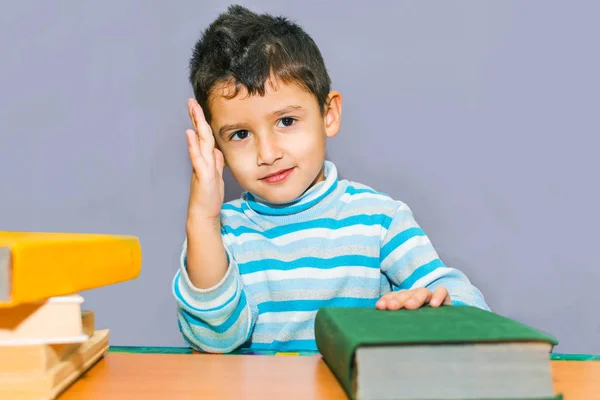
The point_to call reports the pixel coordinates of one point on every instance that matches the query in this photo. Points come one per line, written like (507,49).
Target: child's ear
(333,114)
(218,148)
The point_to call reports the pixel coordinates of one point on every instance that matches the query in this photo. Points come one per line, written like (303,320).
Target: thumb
(219,162)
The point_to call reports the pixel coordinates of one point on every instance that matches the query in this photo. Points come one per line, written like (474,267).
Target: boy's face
(274,144)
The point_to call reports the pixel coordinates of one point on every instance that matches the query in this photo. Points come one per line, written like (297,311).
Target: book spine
(5,276)
(334,346)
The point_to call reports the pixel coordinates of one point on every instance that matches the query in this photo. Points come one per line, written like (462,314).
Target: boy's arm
(410,261)
(214,314)
(217,319)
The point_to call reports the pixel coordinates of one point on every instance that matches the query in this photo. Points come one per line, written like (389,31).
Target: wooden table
(201,376)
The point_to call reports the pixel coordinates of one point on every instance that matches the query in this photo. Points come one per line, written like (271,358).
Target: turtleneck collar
(308,199)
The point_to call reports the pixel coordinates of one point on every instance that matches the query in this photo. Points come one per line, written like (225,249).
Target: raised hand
(207,189)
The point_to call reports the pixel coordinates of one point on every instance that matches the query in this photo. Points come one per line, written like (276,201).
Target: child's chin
(281,197)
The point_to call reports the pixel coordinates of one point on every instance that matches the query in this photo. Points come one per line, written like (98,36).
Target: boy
(255,270)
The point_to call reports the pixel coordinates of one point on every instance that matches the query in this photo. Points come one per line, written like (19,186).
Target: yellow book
(37,265)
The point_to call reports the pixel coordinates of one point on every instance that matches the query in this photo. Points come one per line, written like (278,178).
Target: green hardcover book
(450,352)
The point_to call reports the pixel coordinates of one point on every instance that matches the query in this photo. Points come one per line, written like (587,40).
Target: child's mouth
(278,176)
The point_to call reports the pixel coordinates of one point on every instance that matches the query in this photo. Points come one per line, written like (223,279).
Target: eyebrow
(286,110)
(229,127)
(277,113)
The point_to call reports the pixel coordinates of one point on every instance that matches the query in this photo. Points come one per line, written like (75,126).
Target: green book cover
(339,331)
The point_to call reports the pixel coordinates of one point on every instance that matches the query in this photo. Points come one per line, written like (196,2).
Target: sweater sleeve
(410,261)
(218,319)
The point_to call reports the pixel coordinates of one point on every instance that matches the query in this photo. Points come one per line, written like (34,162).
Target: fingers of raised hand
(219,162)
(204,139)
(198,162)
(199,121)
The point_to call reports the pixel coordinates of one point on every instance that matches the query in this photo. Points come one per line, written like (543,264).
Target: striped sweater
(341,244)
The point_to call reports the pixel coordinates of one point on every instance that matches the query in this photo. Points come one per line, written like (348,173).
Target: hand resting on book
(414,298)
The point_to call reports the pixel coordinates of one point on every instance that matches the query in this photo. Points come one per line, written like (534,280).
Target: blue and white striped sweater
(341,244)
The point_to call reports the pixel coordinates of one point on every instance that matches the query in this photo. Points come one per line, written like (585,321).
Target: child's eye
(243,134)
(287,121)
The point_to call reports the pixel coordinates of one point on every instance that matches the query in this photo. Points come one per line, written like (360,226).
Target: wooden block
(39,358)
(52,383)
(55,320)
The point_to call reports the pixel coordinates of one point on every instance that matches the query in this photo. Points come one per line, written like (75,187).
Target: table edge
(189,350)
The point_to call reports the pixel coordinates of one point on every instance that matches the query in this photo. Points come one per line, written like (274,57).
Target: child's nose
(268,151)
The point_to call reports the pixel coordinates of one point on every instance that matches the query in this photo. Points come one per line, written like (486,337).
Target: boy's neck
(320,178)
(322,186)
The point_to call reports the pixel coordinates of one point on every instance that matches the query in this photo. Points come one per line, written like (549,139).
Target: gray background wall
(482,116)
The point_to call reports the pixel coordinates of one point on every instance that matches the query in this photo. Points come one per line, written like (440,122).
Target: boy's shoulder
(361,196)
(233,207)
